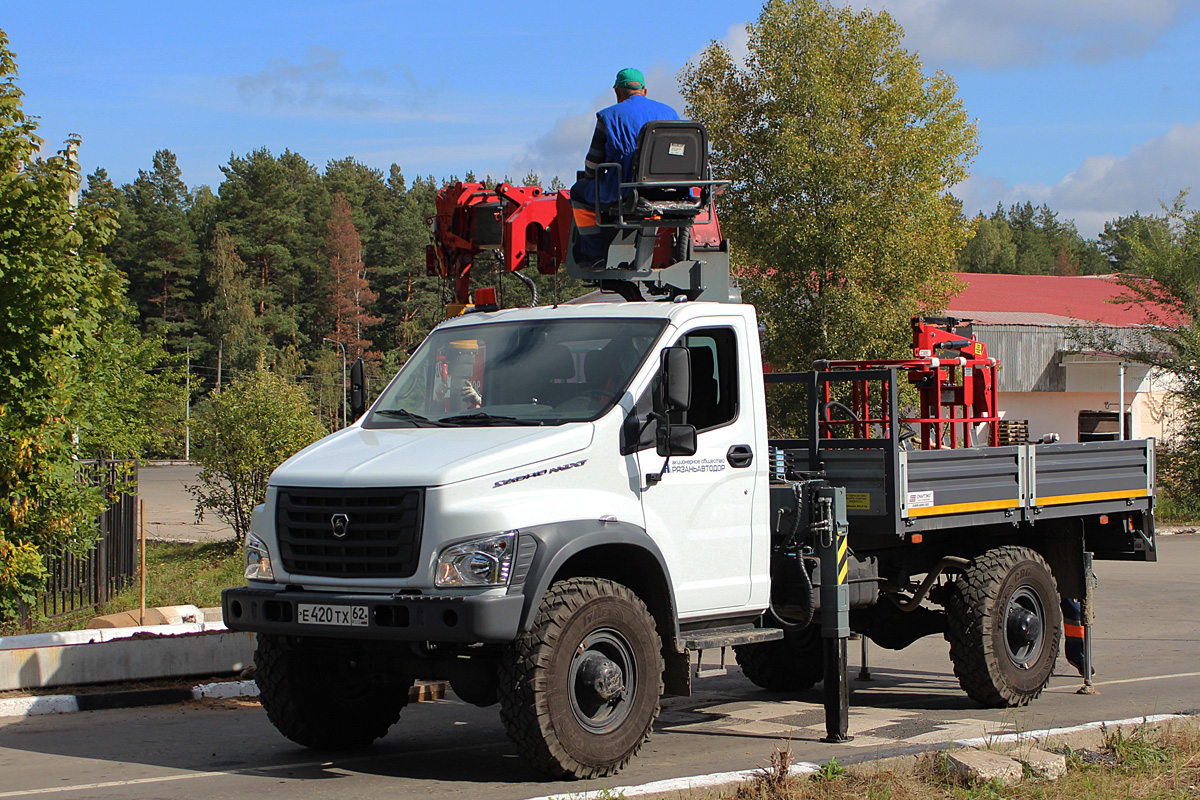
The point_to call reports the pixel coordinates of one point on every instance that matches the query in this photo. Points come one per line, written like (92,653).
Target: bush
(243,434)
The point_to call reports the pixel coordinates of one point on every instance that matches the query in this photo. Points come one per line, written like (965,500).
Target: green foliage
(54,289)
(249,429)
(1116,242)
(135,395)
(177,573)
(1164,280)
(1137,751)
(841,153)
(160,253)
(1031,241)
(830,770)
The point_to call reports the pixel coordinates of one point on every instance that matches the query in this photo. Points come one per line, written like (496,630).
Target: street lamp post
(187,409)
(343,347)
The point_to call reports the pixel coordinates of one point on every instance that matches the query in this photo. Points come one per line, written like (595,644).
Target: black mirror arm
(653,478)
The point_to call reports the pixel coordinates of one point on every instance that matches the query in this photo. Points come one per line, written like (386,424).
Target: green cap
(630,78)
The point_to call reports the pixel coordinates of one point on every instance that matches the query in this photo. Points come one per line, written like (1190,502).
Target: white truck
(555,508)
(558,509)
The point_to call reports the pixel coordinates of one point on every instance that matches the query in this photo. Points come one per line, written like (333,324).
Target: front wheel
(579,693)
(1004,626)
(321,694)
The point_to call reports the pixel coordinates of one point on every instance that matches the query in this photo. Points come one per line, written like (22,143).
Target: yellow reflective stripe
(958,508)
(843,562)
(1088,497)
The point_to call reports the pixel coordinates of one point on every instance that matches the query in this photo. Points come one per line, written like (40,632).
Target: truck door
(700,513)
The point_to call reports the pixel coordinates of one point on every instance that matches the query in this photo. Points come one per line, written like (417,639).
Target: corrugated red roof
(1084,297)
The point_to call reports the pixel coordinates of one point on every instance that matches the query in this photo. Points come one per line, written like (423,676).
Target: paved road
(1148,660)
(171,510)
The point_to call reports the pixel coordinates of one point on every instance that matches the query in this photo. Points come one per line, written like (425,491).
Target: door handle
(740,456)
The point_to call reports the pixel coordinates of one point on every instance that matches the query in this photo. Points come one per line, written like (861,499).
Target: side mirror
(676,440)
(358,389)
(676,379)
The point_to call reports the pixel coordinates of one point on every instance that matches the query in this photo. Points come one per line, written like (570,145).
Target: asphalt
(171,509)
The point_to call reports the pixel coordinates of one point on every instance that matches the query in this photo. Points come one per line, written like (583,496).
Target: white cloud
(1104,187)
(1025,33)
(320,83)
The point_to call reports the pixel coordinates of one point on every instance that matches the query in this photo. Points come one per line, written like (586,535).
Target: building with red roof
(1058,340)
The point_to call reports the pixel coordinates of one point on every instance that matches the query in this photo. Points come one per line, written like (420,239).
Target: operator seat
(670,159)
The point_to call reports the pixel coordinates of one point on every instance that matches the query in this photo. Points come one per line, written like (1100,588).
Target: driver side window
(714,390)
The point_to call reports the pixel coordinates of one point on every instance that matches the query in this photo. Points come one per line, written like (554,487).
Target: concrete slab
(1042,764)
(984,766)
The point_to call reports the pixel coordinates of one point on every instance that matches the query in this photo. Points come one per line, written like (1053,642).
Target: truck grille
(350,533)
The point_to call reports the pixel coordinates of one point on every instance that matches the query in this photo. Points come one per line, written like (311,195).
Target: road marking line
(1147,678)
(110,784)
(677,784)
(244,771)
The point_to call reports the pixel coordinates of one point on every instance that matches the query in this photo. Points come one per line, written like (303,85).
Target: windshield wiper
(405,414)
(484,418)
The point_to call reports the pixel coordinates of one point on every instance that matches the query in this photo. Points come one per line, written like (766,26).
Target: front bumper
(402,618)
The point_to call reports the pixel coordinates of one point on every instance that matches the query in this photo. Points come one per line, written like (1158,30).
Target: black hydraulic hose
(809,596)
(835,404)
(528,281)
(790,555)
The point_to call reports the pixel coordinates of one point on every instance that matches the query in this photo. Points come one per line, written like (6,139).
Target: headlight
(479,562)
(258,560)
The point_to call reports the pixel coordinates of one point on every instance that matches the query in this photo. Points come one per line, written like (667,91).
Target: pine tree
(161,258)
(351,291)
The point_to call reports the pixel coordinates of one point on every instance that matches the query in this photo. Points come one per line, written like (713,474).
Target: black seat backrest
(555,368)
(671,150)
(705,410)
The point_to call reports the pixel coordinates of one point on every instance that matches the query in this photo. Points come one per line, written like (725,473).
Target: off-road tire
(997,661)
(794,663)
(319,694)
(559,728)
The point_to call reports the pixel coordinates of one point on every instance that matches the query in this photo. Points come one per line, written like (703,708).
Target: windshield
(516,373)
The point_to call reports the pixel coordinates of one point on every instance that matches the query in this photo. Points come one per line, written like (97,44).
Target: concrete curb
(98,701)
(1085,735)
(113,655)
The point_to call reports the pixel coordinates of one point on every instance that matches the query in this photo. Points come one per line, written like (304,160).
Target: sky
(1089,106)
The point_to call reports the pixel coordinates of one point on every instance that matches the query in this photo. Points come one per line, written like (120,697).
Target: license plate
(321,614)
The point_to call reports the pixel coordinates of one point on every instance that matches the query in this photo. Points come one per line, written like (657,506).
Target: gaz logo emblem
(340,524)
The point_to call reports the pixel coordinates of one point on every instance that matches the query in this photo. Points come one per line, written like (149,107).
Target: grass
(177,573)
(1170,511)
(1150,764)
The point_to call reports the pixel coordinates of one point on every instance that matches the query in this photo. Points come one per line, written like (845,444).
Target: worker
(614,141)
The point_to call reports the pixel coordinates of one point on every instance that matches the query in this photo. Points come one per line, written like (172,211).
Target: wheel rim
(603,680)
(1024,627)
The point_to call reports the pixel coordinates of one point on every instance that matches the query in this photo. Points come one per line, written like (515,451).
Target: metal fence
(76,582)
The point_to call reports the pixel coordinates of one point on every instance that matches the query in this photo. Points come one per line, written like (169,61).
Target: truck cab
(515,453)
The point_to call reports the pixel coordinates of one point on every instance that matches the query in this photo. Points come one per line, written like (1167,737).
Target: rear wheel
(579,693)
(791,664)
(1004,626)
(320,694)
